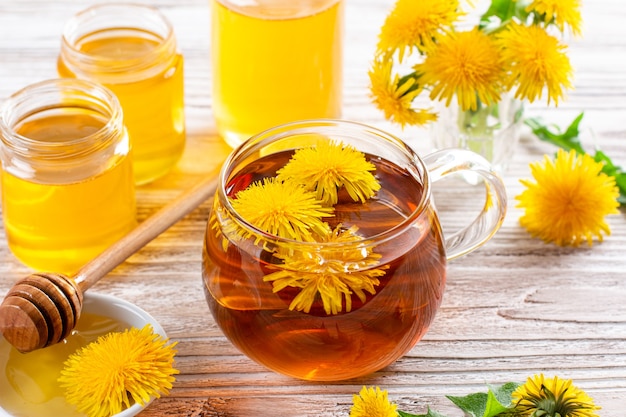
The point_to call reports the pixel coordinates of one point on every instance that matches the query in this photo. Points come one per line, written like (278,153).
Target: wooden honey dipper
(43,308)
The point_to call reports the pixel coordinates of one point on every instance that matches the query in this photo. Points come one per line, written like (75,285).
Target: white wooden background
(514,308)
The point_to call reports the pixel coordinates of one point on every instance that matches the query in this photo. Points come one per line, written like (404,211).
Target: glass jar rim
(284,131)
(99,19)
(47,95)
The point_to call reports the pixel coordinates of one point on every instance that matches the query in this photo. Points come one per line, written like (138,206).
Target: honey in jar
(275,61)
(67,177)
(132,50)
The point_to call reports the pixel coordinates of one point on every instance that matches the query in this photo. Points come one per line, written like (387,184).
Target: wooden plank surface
(511,309)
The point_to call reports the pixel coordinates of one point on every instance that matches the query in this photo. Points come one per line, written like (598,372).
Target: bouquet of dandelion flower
(515,49)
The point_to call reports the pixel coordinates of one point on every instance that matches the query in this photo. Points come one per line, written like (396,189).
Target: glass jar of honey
(274,62)
(132,50)
(67,181)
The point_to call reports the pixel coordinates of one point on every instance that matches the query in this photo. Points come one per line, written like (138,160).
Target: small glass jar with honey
(131,49)
(67,177)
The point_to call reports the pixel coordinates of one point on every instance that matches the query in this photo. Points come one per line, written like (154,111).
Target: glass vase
(491,131)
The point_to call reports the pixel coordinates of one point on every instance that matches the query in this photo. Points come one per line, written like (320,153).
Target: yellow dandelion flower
(414,24)
(562,12)
(334,275)
(327,167)
(283,209)
(372,403)
(117,370)
(569,199)
(535,60)
(552,397)
(395,97)
(466,64)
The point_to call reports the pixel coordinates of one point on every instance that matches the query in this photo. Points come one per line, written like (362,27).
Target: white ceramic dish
(119,310)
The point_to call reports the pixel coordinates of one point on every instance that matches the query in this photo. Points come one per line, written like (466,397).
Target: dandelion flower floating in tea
(117,370)
(568,200)
(282,208)
(372,402)
(552,397)
(329,166)
(343,271)
(292,205)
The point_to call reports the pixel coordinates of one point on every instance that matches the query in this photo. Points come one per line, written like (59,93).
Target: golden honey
(275,62)
(67,179)
(28,382)
(131,49)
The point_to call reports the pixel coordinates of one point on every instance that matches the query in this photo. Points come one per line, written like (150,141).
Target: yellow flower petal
(568,200)
(535,61)
(333,275)
(466,64)
(395,97)
(372,403)
(415,24)
(328,167)
(562,12)
(284,209)
(117,370)
(541,396)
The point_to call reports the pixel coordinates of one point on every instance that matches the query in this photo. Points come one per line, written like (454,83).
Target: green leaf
(430,413)
(570,139)
(497,400)
(502,11)
(504,393)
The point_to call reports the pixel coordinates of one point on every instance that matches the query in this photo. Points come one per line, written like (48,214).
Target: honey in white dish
(28,381)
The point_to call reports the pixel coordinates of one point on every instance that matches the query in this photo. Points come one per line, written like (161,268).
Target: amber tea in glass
(399,224)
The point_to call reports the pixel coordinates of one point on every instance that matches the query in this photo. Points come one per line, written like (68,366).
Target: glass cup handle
(451,161)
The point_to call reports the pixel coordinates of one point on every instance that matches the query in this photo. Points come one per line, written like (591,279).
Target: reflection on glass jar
(274,61)
(356,295)
(67,182)
(132,50)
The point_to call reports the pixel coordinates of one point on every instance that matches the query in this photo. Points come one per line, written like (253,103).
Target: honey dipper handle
(145,232)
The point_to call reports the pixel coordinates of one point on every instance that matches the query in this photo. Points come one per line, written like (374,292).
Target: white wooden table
(513,308)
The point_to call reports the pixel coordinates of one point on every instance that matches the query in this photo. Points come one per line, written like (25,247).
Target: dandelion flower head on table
(372,402)
(117,370)
(552,397)
(568,200)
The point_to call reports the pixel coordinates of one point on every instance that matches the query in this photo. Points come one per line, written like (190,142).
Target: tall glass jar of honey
(67,177)
(274,62)
(132,50)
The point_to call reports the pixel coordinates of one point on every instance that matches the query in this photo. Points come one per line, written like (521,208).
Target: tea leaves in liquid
(317,346)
